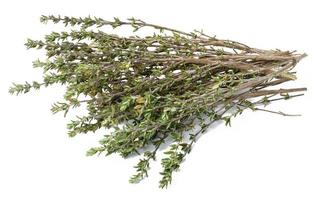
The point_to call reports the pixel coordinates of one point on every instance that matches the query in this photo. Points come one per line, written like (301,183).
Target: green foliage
(142,167)
(156,89)
(171,163)
(58,107)
(94,150)
(23,88)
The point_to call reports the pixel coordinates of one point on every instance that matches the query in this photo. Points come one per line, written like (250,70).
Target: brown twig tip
(300,57)
(278,112)
(154,90)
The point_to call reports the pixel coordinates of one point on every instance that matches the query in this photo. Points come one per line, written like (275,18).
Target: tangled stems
(166,88)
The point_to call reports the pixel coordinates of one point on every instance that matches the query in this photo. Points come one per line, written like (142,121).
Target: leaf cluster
(166,88)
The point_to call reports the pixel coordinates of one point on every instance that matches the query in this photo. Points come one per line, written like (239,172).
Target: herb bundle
(163,89)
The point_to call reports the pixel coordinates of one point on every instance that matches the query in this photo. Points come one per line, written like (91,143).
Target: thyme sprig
(166,88)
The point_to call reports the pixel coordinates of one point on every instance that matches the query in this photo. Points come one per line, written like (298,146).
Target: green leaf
(92,151)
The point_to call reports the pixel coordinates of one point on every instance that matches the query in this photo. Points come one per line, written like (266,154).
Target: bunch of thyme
(168,87)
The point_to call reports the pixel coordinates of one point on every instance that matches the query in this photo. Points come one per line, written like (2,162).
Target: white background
(262,156)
